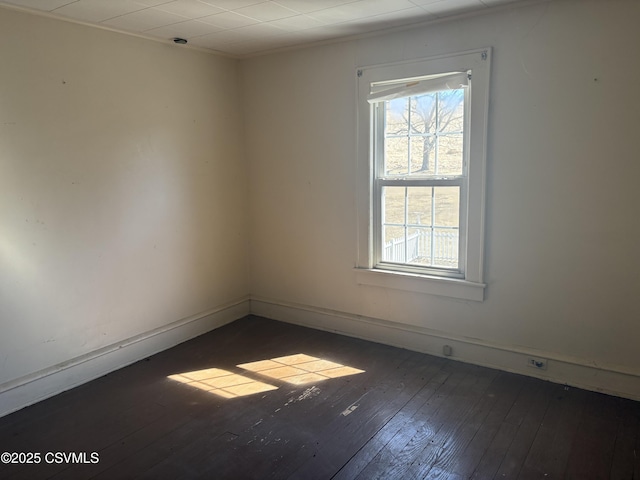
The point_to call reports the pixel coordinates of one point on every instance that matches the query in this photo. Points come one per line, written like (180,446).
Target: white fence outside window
(436,247)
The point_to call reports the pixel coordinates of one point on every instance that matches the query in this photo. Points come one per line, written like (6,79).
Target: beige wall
(122,189)
(562,229)
(126,204)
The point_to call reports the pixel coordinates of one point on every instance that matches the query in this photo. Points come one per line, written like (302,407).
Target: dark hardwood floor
(393,414)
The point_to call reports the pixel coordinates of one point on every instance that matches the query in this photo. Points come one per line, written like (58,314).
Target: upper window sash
(450,81)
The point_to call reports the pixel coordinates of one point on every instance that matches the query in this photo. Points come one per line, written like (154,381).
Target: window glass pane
(449,152)
(447,206)
(393,246)
(422,155)
(434,123)
(423,246)
(418,252)
(444,247)
(418,240)
(393,204)
(419,205)
(396,155)
(423,113)
(451,110)
(397,116)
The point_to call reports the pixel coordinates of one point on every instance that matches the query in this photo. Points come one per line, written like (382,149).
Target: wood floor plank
(82,437)
(493,456)
(505,390)
(328,422)
(361,420)
(396,455)
(549,452)
(433,429)
(405,415)
(495,453)
(132,444)
(166,446)
(294,408)
(454,436)
(527,414)
(625,458)
(592,451)
(295,425)
(400,423)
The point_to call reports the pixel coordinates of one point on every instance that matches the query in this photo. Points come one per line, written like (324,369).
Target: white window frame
(467,282)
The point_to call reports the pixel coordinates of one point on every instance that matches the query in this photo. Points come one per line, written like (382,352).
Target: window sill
(413,282)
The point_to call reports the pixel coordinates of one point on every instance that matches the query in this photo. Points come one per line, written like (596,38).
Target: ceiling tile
(188,30)
(229,20)
(218,40)
(143,20)
(360,9)
(259,30)
(298,22)
(260,45)
(266,12)
(407,16)
(232,4)
(306,6)
(98,10)
(339,14)
(189,8)
(46,5)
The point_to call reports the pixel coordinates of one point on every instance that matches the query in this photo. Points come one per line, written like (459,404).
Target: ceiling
(250,27)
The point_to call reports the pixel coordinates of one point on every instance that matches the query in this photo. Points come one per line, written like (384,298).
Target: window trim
(470,286)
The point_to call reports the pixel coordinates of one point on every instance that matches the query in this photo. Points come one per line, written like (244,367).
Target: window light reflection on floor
(299,369)
(222,382)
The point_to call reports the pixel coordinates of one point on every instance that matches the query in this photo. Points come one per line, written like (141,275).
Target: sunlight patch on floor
(300,369)
(222,382)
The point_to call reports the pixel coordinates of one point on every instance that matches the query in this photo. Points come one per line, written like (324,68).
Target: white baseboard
(27,390)
(613,380)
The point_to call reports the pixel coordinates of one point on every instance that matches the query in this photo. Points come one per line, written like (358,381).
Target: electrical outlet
(539,363)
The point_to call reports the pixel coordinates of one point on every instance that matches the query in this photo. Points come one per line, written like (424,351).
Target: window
(421,166)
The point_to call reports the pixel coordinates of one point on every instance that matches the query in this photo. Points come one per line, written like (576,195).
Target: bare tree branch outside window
(424,133)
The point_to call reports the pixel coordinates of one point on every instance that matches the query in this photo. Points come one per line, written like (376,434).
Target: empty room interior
(257,255)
